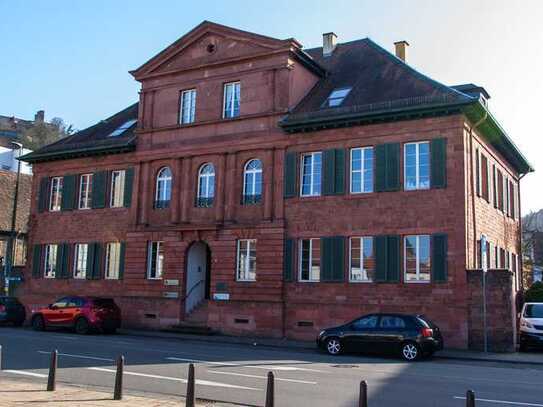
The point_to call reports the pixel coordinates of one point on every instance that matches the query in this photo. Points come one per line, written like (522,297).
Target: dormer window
(122,128)
(336,97)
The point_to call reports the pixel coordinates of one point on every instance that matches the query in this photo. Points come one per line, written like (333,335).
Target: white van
(531,325)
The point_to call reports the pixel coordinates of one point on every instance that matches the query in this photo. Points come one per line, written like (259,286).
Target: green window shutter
(387,167)
(99,188)
(288,260)
(326,255)
(340,172)
(43,198)
(380,258)
(128,181)
(290,175)
(380,168)
(122,260)
(65,260)
(438,160)
(97,275)
(439,258)
(332,258)
(59,271)
(68,192)
(90,261)
(338,273)
(329,170)
(36,261)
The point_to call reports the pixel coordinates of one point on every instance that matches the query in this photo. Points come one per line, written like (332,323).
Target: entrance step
(194,328)
(198,313)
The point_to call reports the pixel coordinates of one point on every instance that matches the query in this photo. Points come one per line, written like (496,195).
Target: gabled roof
(93,140)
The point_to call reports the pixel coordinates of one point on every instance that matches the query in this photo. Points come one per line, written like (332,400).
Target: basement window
(122,128)
(336,97)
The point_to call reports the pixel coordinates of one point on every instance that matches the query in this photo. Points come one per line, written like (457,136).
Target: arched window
(163,188)
(206,186)
(252,182)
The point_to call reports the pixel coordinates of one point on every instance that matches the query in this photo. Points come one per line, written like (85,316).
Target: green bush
(534,293)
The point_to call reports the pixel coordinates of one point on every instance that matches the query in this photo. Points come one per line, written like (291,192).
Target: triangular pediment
(209,43)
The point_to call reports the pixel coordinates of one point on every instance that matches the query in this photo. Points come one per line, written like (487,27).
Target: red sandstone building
(259,188)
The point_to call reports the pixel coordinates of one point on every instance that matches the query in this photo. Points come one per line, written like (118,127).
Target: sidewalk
(22,392)
(532,358)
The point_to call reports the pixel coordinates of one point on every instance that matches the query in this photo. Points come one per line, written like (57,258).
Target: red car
(83,314)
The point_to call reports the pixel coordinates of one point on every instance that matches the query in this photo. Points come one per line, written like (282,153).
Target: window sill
(154,279)
(245,281)
(80,277)
(361,281)
(417,282)
(49,277)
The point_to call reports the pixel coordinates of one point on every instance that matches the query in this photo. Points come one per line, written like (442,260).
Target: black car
(410,336)
(12,311)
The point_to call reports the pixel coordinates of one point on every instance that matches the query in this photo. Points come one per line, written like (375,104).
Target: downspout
(520,254)
(472,184)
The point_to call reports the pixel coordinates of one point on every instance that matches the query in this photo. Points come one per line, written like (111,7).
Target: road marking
(78,356)
(176,379)
(260,377)
(24,373)
(511,403)
(266,367)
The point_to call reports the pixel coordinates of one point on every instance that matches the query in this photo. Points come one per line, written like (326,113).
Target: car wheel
(38,324)
(410,351)
(333,346)
(82,326)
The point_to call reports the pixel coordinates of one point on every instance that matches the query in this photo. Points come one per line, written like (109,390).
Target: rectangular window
(310,260)
(311,174)
(362,259)
(113,256)
(417,165)
(187,112)
(50,260)
(336,97)
(55,198)
(417,258)
(500,190)
(85,191)
(231,100)
(484,177)
(80,260)
(117,189)
(155,260)
(246,260)
(361,170)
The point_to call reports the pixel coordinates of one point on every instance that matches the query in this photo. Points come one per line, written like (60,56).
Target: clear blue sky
(71,58)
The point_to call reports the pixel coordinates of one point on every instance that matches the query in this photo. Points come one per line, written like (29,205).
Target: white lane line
(68,355)
(24,373)
(511,403)
(260,377)
(175,379)
(266,367)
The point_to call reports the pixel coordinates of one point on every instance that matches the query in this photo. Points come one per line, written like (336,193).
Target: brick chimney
(401,50)
(39,117)
(328,43)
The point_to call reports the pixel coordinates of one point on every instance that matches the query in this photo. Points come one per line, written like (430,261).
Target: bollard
(363,400)
(190,387)
(470,398)
(270,391)
(52,377)
(118,390)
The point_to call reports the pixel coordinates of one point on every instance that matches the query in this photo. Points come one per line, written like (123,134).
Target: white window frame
(85,196)
(243,275)
(362,258)
(341,99)
(78,263)
(116,198)
(300,251)
(418,280)
(46,261)
(417,166)
(362,170)
(191,108)
(56,183)
(201,175)
(165,179)
(158,270)
(254,172)
(232,109)
(312,183)
(112,273)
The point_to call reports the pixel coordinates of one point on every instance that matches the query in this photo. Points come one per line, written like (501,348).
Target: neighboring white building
(8,160)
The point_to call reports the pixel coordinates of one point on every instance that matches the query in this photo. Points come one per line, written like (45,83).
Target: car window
(366,322)
(62,303)
(77,302)
(391,322)
(533,311)
(103,303)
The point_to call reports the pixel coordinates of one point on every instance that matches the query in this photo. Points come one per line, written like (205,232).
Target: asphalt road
(237,373)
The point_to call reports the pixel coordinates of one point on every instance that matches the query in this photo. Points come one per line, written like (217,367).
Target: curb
(301,347)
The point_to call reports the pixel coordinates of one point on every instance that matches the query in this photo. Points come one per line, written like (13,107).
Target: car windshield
(533,311)
(103,303)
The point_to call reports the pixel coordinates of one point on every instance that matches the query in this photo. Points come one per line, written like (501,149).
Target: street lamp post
(12,235)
